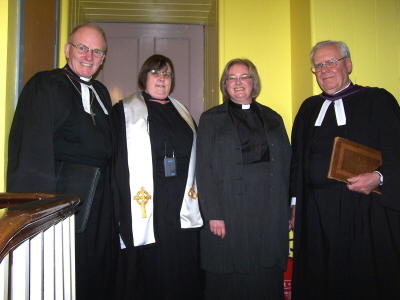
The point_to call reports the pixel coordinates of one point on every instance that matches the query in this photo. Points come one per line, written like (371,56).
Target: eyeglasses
(328,64)
(159,73)
(82,49)
(241,78)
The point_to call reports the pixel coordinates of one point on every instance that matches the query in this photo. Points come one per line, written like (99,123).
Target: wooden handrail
(22,216)
(13,199)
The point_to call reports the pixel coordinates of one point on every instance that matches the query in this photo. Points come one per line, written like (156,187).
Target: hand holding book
(354,164)
(364,183)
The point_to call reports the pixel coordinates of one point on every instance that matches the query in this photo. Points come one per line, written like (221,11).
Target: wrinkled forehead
(89,36)
(326,52)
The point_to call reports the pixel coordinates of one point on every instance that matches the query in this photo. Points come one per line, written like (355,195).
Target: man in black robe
(347,239)
(62,117)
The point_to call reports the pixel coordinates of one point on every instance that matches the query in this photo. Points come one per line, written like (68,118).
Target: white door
(130,44)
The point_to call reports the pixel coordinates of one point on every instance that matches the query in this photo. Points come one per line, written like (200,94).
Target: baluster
(36,267)
(49,267)
(59,282)
(4,276)
(20,272)
(72,239)
(67,259)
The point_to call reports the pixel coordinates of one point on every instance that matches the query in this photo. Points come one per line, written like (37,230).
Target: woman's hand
(217,227)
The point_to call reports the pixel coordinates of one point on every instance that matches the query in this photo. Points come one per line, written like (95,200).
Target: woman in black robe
(159,260)
(243,175)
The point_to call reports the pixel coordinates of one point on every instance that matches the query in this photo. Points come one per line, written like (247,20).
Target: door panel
(120,67)
(130,44)
(39,37)
(178,50)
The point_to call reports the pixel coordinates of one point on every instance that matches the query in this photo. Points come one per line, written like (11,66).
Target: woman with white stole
(159,214)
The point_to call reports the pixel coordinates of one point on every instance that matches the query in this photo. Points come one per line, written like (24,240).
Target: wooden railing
(37,246)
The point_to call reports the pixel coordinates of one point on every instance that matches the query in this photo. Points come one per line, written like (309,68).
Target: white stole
(140,167)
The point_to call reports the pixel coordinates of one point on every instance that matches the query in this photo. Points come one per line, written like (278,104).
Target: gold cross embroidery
(142,197)
(192,193)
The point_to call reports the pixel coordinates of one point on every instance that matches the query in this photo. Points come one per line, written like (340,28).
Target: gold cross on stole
(192,193)
(142,197)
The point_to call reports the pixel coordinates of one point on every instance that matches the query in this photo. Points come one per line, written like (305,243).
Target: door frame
(204,12)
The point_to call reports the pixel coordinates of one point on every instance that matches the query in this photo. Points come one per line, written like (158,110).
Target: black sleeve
(207,174)
(387,118)
(121,189)
(297,142)
(30,149)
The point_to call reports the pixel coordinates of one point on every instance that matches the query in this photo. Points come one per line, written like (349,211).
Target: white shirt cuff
(380,177)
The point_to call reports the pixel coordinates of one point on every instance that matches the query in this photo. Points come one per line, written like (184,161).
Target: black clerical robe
(51,126)
(248,190)
(170,267)
(346,243)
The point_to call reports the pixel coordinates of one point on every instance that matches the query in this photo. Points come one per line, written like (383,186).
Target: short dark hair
(252,71)
(155,62)
(90,25)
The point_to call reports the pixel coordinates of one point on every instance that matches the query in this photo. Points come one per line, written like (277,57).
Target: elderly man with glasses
(61,142)
(347,238)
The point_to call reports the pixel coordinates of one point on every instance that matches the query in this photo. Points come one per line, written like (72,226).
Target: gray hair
(342,46)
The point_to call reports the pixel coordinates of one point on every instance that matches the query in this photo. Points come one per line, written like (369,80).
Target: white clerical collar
(85,78)
(339,110)
(245,106)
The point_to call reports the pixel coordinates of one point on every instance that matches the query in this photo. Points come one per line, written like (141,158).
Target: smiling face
(238,89)
(158,86)
(86,64)
(334,79)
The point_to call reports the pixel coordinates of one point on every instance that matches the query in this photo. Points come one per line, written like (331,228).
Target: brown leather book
(350,159)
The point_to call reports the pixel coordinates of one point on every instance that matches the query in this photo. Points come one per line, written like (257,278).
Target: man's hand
(217,227)
(364,183)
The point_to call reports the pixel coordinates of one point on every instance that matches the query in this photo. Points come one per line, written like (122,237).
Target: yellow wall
(8,20)
(3,67)
(371,28)
(300,33)
(63,33)
(260,31)
(278,35)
